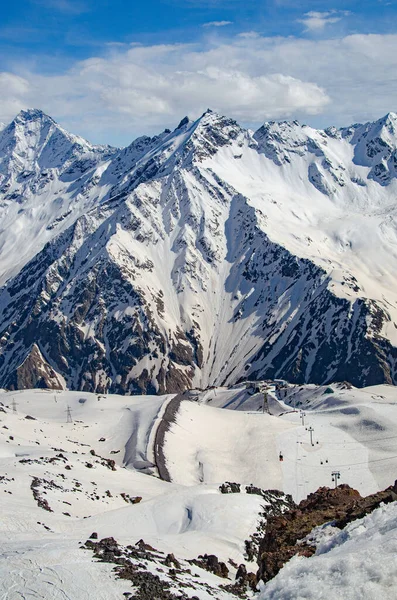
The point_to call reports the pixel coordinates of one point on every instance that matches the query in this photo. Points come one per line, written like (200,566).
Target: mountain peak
(32,114)
(210,132)
(390,117)
(388,124)
(211,120)
(185,121)
(210,116)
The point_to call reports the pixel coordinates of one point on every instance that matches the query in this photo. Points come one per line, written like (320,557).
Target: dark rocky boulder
(283,533)
(211,563)
(229,488)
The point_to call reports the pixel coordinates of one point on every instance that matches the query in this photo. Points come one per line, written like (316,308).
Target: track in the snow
(164,425)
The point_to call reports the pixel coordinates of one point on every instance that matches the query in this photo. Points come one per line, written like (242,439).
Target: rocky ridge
(156,268)
(288,534)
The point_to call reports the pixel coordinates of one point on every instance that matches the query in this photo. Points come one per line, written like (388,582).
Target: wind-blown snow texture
(357,563)
(198,257)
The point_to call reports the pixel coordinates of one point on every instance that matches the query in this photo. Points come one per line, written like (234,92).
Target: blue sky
(61,31)
(111,70)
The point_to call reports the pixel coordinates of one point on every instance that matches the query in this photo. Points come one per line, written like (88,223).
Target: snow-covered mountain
(47,177)
(198,257)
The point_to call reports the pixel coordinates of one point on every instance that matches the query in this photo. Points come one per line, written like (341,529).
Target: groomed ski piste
(59,484)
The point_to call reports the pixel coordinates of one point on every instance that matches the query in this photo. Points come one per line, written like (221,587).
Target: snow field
(354,432)
(244,446)
(40,555)
(212,440)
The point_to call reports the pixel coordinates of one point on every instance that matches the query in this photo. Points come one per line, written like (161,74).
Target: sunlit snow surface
(359,563)
(218,435)
(354,431)
(36,562)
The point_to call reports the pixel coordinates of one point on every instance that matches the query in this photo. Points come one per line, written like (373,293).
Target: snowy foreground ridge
(201,256)
(357,563)
(73,464)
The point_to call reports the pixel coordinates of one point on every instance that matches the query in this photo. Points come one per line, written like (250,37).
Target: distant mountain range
(198,257)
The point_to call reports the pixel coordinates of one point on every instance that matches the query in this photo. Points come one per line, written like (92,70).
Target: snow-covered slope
(357,563)
(354,432)
(198,257)
(61,481)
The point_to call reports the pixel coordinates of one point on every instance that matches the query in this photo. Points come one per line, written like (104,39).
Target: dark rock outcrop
(211,563)
(35,372)
(283,533)
(229,488)
(137,564)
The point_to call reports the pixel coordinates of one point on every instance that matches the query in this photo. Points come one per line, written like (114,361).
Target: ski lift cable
(342,465)
(392,437)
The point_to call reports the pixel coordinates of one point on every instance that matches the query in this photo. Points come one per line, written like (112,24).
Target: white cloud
(142,89)
(316,21)
(217,23)
(248,34)
(15,92)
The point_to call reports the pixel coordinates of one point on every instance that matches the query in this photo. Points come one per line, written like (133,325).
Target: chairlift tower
(335,477)
(311,430)
(69,415)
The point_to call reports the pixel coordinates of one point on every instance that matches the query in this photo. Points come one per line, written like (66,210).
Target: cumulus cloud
(142,85)
(316,21)
(141,89)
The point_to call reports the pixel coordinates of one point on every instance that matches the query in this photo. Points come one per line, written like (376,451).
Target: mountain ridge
(204,255)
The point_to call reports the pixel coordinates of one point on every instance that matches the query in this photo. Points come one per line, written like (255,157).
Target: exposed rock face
(159,577)
(283,534)
(159,272)
(211,563)
(35,372)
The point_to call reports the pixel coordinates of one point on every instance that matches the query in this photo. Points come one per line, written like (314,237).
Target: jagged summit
(184,121)
(32,131)
(40,163)
(389,119)
(32,114)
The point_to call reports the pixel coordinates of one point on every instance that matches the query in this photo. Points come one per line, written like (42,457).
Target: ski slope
(40,555)
(218,435)
(354,432)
